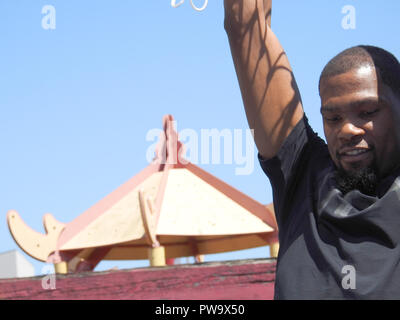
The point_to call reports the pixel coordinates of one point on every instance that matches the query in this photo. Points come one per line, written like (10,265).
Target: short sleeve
(289,165)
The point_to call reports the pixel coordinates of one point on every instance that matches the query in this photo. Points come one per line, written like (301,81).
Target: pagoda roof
(171,202)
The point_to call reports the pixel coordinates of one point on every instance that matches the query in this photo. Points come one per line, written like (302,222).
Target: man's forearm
(239,12)
(270,96)
(241,15)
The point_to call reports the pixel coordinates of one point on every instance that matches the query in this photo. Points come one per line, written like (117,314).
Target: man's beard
(365,180)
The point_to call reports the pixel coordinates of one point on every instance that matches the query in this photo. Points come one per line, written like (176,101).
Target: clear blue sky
(76,102)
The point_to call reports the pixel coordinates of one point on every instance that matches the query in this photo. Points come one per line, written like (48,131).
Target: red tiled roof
(231,280)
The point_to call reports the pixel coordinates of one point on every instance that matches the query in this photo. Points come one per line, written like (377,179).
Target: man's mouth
(354,152)
(351,155)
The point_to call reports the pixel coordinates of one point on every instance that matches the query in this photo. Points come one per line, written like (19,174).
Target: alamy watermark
(210,146)
(49,18)
(49,280)
(349,18)
(349,278)
(49,14)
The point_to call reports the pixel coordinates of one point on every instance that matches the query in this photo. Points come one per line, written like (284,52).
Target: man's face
(361,121)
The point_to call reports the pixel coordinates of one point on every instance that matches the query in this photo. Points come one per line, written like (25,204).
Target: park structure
(171,209)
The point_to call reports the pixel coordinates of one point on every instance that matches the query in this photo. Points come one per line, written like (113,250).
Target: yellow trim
(274,249)
(61,268)
(157,256)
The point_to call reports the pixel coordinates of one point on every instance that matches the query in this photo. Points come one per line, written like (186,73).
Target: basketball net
(176,5)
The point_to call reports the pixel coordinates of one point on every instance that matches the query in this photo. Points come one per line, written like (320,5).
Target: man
(337,204)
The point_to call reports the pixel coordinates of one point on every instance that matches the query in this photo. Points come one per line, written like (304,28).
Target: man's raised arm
(269,91)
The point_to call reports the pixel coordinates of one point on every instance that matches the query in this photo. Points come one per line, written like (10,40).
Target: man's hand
(269,91)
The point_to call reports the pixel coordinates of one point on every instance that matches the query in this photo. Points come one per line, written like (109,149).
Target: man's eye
(332,119)
(370,113)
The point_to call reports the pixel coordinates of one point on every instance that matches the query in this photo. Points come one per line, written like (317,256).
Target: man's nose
(350,131)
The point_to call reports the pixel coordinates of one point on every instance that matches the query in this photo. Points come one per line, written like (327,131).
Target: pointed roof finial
(169,149)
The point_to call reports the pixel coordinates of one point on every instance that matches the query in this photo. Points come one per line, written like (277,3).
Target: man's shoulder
(314,150)
(302,147)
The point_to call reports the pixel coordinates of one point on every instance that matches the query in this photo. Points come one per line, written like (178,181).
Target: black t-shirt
(331,246)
